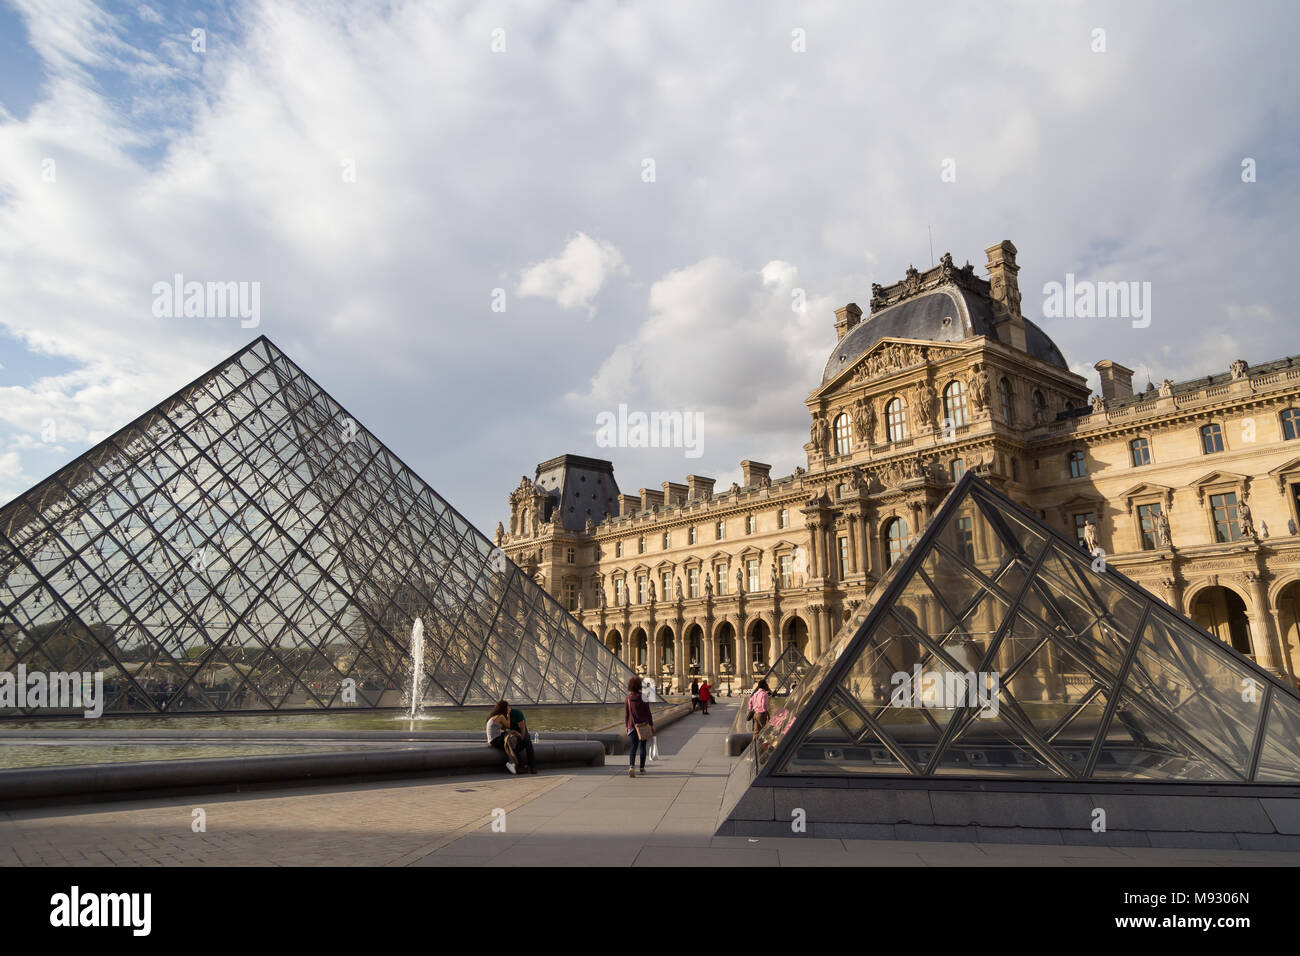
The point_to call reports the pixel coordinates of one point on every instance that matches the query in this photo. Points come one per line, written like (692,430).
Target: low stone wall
(1157,815)
(105,782)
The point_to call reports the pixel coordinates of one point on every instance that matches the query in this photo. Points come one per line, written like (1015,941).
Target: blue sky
(521,169)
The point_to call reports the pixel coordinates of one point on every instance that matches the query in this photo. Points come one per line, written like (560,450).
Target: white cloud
(574,277)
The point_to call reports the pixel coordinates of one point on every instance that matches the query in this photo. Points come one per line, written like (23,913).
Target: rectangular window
(783,518)
(640,590)
(749,524)
(966,537)
(720,577)
(693,582)
(692,534)
(1224,508)
(667,592)
(1141,449)
(787,579)
(1077,467)
(618,549)
(571,595)
(843,544)
(618,592)
(1211,439)
(1080,522)
(720,530)
(751,575)
(569,555)
(1147,516)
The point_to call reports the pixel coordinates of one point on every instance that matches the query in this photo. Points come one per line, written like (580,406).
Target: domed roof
(946,314)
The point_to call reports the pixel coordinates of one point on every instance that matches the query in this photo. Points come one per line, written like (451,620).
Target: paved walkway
(595,816)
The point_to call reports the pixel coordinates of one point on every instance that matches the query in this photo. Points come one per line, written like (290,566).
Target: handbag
(654,748)
(644,731)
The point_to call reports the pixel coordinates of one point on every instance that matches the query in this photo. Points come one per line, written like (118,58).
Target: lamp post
(725,667)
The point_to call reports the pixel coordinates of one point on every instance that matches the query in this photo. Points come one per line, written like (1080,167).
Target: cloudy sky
(480,225)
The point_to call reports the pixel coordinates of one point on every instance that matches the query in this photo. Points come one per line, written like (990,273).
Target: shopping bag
(654,748)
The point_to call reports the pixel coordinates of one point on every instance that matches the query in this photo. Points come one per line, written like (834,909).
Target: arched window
(896,541)
(1211,439)
(1291,424)
(1004,392)
(954,403)
(843,434)
(895,420)
(1140,449)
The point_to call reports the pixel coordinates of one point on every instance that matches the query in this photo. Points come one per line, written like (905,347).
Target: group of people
(701,696)
(507,730)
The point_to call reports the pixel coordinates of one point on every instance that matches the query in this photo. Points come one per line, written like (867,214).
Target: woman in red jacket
(706,695)
(636,712)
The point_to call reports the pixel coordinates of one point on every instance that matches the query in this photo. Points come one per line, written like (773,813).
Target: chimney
(649,498)
(847,319)
(628,505)
(674,493)
(753,472)
(1116,380)
(699,489)
(1004,290)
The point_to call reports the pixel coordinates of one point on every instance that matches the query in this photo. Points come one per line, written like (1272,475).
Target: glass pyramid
(247,546)
(788,672)
(996,648)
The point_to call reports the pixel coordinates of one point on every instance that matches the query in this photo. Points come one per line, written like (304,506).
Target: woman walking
(639,723)
(706,695)
(760,703)
(695,695)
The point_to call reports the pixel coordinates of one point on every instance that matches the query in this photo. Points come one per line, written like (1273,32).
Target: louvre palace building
(1191,489)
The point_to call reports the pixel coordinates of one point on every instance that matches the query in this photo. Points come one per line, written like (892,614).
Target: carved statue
(600,596)
(773,575)
(864,420)
(945,267)
(1166,388)
(1238,368)
(740,581)
(708,584)
(877,296)
(857,480)
(591,526)
(652,591)
(1098,404)
(500,535)
(1245,520)
(819,432)
(911,281)
(1090,537)
(735,488)
(1163,535)
(925,401)
(677,587)
(1263,529)
(979,389)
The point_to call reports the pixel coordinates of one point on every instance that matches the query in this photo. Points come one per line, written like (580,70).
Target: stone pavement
(591,816)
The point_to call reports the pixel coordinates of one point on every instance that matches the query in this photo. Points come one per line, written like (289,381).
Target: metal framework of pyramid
(997,648)
(788,671)
(247,546)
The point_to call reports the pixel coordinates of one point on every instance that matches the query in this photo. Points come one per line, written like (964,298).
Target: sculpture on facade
(979,389)
(1166,388)
(652,591)
(740,581)
(1163,535)
(773,576)
(864,421)
(677,587)
(1238,368)
(1090,537)
(1245,520)
(708,584)
(500,535)
(925,402)
(818,432)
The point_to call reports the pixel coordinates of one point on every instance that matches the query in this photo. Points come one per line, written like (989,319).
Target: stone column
(814,558)
(775,650)
(1263,638)
(815,611)
(679,655)
(853,544)
(743,654)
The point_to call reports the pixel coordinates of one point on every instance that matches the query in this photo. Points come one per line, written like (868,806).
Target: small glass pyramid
(785,676)
(998,648)
(247,546)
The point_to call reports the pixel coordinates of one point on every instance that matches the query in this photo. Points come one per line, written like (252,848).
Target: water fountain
(417,667)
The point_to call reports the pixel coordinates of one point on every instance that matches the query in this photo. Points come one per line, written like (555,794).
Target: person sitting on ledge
(520,726)
(499,734)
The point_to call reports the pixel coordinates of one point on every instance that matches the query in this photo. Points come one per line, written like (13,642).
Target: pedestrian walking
(706,695)
(695,695)
(639,723)
(760,705)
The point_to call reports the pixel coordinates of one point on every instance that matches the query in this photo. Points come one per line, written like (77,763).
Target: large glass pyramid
(996,648)
(788,672)
(247,546)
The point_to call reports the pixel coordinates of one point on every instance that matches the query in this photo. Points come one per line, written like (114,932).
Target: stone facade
(1192,489)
